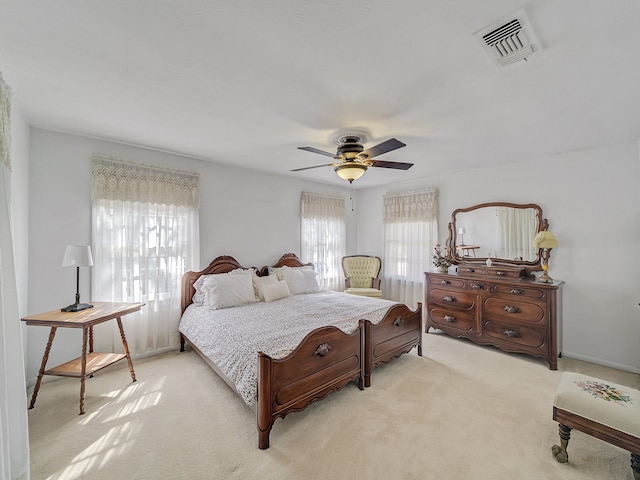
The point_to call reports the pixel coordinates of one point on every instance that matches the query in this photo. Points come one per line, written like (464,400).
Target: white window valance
(5,123)
(324,206)
(416,206)
(114,179)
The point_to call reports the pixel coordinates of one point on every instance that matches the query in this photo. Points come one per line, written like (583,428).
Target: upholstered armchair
(362,275)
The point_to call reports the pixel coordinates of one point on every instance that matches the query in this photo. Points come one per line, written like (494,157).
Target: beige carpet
(461,411)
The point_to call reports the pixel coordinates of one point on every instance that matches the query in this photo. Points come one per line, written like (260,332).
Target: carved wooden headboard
(286,260)
(222,264)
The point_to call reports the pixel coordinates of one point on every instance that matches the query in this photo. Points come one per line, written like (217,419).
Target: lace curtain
(323,237)
(145,237)
(517,227)
(14,435)
(410,233)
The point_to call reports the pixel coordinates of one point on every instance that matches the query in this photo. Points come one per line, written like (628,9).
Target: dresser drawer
(495,271)
(519,291)
(449,320)
(513,311)
(445,281)
(450,298)
(516,335)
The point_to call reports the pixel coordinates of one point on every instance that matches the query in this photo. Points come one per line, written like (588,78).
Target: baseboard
(599,361)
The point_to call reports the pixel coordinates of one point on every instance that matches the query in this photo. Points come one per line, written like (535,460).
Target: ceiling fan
(352,160)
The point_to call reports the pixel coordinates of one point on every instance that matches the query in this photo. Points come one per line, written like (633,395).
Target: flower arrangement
(440,260)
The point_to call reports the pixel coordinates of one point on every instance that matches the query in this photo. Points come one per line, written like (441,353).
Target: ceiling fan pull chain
(351,196)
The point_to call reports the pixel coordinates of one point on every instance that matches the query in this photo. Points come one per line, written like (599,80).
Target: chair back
(361,271)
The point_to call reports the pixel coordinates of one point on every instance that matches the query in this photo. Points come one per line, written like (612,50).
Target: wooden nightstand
(89,362)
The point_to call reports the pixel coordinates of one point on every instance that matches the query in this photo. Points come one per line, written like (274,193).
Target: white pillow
(260,282)
(277,271)
(200,297)
(276,291)
(230,289)
(300,280)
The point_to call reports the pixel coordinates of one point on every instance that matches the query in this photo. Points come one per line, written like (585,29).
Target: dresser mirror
(501,232)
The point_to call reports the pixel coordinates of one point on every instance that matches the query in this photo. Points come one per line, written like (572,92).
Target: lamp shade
(77,256)
(461,231)
(545,239)
(350,171)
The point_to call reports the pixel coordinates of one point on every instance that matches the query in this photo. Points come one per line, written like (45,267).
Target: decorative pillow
(300,280)
(260,282)
(277,271)
(200,297)
(230,289)
(276,291)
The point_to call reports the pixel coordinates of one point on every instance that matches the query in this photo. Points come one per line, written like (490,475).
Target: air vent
(509,40)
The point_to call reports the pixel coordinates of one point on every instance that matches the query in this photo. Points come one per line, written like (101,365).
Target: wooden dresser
(489,306)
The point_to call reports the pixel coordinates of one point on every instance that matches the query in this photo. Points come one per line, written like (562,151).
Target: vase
(442,269)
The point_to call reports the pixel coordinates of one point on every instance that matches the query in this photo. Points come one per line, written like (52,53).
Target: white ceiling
(245,82)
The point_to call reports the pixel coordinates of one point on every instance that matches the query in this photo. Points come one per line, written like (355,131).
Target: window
(145,237)
(323,237)
(410,233)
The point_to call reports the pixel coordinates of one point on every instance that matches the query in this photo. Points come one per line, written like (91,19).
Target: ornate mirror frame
(454,243)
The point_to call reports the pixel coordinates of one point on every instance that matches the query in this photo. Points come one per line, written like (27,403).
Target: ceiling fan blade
(315,166)
(315,150)
(384,147)
(396,165)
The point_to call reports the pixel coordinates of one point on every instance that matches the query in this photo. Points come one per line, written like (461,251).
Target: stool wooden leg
(560,451)
(635,466)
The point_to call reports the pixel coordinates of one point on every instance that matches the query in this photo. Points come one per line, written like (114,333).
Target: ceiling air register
(509,40)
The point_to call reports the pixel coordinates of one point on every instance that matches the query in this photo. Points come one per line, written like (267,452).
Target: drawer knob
(512,333)
(398,321)
(449,298)
(516,291)
(322,349)
(500,274)
(511,309)
(444,282)
(477,286)
(450,318)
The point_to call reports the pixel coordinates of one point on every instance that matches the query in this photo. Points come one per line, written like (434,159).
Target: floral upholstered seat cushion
(601,401)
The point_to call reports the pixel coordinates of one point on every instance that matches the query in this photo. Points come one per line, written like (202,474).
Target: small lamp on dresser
(77,256)
(545,240)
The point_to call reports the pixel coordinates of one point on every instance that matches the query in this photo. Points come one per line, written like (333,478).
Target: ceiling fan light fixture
(350,171)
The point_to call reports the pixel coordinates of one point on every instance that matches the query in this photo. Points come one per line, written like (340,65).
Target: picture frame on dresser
(497,302)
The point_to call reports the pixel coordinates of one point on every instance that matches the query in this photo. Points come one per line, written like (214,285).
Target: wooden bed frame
(326,359)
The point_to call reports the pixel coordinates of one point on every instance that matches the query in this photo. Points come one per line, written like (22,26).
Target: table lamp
(77,256)
(545,240)
(461,233)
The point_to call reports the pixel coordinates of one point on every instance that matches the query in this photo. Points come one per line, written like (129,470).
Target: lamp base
(76,307)
(545,278)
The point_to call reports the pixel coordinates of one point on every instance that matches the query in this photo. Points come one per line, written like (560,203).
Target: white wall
(591,200)
(251,216)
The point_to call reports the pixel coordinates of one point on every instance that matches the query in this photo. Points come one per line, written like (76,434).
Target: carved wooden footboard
(325,361)
(399,331)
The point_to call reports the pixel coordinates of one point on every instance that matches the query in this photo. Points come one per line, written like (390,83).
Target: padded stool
(598,408)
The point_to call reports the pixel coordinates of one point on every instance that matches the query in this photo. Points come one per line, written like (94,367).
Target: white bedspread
(231,337)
